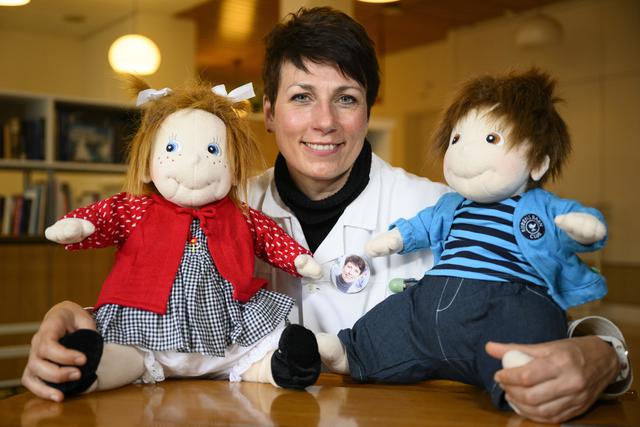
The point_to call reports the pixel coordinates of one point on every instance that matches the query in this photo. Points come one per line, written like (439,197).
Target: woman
(329,191)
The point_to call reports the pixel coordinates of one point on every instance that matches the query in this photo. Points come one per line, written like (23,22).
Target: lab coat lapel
(274,207)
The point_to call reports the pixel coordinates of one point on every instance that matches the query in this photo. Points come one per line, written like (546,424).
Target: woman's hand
(47,357)
(562,381)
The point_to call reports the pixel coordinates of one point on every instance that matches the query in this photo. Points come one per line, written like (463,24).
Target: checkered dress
(202,315)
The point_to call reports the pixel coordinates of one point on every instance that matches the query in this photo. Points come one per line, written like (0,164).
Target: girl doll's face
(480,162)
(189,163)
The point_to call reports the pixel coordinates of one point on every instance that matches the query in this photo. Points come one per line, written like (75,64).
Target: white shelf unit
(42,157)
(35,106)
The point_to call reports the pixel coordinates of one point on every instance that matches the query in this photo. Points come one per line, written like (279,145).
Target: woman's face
(320,122)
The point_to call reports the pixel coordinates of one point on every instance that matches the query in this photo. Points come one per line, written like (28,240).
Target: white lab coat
(391,193)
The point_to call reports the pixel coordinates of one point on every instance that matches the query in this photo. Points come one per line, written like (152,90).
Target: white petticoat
(167,364)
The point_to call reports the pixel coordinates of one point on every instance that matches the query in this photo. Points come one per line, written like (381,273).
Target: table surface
(334,401)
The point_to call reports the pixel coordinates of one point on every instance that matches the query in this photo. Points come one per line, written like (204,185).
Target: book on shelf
(23,138)
(24,214)
(41,204)
(7,216)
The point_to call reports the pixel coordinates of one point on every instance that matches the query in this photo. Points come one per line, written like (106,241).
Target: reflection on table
(334,401)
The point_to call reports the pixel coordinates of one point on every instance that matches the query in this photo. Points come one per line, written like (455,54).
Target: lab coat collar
(361,213)
(273,204)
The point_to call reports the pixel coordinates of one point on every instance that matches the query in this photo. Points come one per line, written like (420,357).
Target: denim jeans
(438,328)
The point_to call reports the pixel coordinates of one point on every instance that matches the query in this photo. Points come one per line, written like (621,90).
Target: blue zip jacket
(550,250)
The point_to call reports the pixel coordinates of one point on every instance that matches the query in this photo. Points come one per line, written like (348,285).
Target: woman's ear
(538,173)
(268,114)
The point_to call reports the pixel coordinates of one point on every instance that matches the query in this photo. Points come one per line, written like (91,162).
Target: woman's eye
(214,149)
(455,138)
(347,99)
(300,97)
(172,146)
(493,138)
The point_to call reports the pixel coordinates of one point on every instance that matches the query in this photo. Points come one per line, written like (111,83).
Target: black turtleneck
(317,217)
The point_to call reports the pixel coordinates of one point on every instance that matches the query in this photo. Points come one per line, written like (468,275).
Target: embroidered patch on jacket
(531,227)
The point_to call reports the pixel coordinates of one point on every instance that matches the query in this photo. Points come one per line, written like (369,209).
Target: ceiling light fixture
(134,53)
(14,2)
(539,30)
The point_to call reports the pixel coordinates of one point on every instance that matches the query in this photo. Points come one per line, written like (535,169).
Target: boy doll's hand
(385,243)
(307,266)
(69,230)
(582,227)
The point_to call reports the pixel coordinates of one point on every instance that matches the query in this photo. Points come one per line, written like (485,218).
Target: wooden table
(333,401)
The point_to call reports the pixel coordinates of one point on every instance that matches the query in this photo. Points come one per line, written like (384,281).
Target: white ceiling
(48,16)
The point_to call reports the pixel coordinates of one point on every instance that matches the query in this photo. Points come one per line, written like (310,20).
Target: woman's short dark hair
(325,36)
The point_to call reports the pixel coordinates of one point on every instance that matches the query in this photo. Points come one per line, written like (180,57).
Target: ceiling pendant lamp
(134,54)
(14,2)
(539,30)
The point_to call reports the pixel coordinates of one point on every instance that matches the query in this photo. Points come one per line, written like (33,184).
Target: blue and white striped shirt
(482,246)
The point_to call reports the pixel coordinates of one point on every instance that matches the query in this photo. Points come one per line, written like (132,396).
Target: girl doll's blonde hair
(243,151)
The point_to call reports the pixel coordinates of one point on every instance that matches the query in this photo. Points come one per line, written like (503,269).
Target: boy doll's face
(189,162)
(482,164)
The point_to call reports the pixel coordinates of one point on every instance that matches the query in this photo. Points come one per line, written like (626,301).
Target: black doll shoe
(90,343)
(296,363)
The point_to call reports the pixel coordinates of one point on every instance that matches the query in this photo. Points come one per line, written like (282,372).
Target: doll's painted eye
(494,138)
(172,146)
(455,138)
(214,149)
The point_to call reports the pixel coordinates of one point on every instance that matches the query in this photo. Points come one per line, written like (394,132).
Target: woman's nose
(324,117)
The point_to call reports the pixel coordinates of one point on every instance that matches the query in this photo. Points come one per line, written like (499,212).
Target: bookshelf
(58,153)
(53,144)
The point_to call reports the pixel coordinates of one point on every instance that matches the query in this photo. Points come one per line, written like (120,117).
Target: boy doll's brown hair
(524,104)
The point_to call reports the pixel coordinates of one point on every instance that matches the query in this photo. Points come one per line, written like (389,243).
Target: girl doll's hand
(69,230)
(307,266)
(385,243)
(582,227)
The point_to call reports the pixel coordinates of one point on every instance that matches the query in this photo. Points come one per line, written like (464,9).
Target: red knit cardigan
(151,233)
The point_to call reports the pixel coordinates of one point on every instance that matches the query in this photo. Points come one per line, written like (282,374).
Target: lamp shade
(539,30)
(135,54)
(14,2)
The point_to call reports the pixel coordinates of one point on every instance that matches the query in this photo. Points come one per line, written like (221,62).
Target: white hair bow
(238,94)
(151,94)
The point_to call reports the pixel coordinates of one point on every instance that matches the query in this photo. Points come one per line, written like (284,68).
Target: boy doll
(505,264)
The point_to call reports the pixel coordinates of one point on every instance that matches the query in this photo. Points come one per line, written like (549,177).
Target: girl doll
(180,299)
(504,248)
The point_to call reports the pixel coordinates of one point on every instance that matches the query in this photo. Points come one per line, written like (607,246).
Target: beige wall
(45,63)
(597,67)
